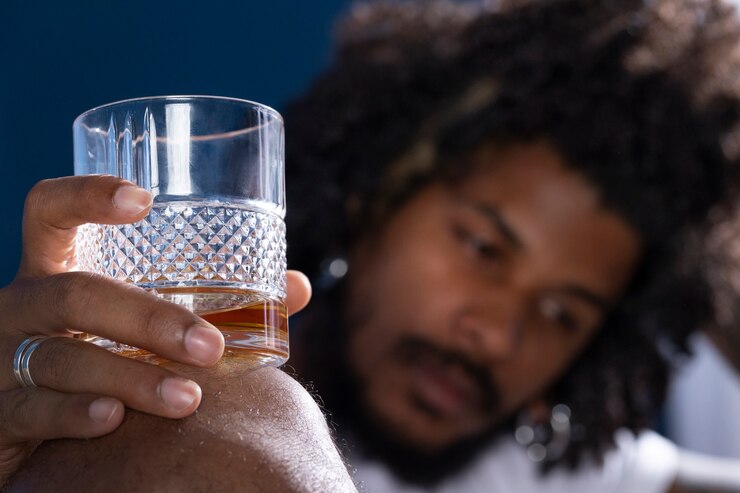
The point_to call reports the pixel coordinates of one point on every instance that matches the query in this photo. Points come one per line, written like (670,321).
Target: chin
(415,448)
(417,427)
(414,435)
(419,420)
(388,419)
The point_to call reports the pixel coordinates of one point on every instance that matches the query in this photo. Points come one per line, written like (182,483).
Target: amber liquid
(257,330)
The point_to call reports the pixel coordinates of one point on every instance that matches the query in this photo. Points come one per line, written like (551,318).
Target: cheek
(370,321)
(387,303)
(402,291)
(543,358)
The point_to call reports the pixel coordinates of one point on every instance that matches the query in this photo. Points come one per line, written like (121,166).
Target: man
(518,196)
(480,295)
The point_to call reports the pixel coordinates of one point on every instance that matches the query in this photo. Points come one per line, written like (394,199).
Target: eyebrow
(497,220)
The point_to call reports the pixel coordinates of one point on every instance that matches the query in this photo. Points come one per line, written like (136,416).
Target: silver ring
(21,359)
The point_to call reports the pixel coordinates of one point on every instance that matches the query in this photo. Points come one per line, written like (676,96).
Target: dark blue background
(58,59)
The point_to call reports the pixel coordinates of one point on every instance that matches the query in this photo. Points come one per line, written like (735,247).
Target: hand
(82,389)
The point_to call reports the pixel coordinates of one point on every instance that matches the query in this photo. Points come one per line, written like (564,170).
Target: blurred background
(62,58)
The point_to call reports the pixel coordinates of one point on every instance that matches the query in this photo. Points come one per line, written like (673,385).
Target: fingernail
(102,410)
(131,199)
(178,394)
(204,343)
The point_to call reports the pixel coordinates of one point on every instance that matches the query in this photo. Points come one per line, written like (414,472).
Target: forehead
(556,213)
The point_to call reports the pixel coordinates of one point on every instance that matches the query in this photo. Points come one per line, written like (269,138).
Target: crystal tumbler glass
(214,240)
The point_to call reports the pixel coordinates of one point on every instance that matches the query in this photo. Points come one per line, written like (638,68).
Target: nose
(490,330)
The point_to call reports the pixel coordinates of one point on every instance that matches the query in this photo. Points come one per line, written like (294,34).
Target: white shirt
(704,403)
(646,464)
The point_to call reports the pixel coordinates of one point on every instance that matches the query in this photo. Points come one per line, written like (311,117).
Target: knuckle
(14,411)
(20,297)
(56,363)
(155,321)
(10,296)
(71,293)
(38,195)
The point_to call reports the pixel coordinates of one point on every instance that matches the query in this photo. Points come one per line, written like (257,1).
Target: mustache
(411,349)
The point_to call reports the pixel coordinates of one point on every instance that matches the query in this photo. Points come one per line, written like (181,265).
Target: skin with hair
(522,225)
(519,194)
(636,98)
(72,401)
(256,430)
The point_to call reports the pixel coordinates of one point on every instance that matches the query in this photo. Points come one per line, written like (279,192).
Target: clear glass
(214,240)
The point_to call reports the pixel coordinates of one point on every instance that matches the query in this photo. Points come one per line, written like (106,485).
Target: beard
(377,440)
(364,433)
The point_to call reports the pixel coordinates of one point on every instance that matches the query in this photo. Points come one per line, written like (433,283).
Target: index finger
(55,207)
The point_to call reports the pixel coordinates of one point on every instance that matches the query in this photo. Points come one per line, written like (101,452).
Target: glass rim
(182,97)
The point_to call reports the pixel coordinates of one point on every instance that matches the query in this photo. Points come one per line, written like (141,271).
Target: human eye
(477,243)
(557,312)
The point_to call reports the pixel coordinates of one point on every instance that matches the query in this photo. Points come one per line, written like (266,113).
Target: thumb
(55,207)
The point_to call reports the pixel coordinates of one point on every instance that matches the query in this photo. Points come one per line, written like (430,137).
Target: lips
(443,383)
(443,389)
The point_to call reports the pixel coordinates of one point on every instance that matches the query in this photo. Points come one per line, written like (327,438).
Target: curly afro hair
(640,97)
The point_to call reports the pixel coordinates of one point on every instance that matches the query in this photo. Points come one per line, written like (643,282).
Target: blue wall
(61,58)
